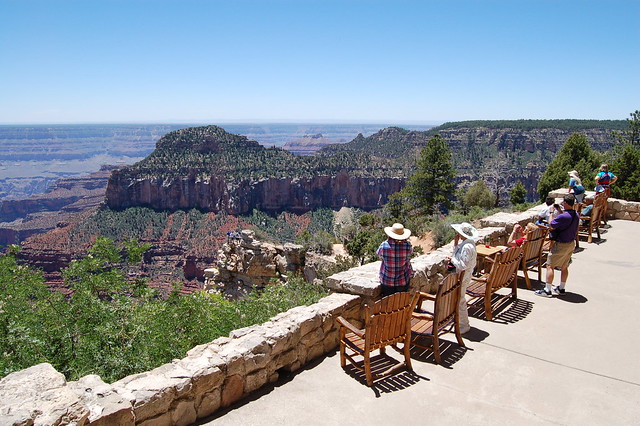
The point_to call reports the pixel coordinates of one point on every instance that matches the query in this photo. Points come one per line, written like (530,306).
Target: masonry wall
(214,375)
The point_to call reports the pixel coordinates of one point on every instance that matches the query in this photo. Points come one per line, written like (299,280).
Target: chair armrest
(425,296)
(350,326)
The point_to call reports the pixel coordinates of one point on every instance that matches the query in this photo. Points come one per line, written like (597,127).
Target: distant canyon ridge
(498,152)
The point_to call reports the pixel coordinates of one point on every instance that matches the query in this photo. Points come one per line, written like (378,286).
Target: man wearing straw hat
(395,252)
(464,259)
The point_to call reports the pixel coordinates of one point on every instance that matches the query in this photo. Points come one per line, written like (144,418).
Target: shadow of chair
(590,225)
(387,323)
(444,318)
(503,273)
(532,249)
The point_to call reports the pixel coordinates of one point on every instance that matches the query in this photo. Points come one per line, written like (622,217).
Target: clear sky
(137,61)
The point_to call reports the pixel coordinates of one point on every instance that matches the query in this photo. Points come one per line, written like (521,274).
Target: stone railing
(616,208)
(215,375)
(210,377)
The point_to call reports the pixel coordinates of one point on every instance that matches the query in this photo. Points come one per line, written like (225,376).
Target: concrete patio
(568,360)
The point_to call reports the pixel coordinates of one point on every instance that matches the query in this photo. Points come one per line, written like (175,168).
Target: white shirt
(464,255)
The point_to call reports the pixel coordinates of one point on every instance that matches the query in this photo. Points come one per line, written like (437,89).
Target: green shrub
(112,326)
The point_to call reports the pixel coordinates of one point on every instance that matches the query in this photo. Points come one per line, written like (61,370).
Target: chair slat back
(388,320)
(447,300)
(505,268)
(533,244)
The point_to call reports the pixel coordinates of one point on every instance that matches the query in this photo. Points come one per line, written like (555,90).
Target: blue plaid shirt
(396,268)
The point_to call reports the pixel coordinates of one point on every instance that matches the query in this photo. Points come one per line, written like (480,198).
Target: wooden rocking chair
(593,221)
(387,323)
(532,257)
(503,274)
(444,319)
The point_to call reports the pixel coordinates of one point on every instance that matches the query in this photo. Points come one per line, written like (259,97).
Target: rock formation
(244,263)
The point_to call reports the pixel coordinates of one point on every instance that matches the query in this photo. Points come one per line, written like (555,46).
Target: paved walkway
(571,360)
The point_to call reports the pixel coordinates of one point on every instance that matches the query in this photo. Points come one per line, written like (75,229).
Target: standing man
(564,227)
(396,270)
(464,259)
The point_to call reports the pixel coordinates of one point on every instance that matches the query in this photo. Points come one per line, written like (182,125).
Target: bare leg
(549,277)
(564,274)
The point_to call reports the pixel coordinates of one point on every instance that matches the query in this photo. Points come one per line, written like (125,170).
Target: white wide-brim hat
(466,230)
(397,231)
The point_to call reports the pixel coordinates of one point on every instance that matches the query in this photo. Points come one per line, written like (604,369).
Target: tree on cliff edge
(575,154)
(626,163)
(432,186)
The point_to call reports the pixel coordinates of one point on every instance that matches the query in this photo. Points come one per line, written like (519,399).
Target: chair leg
(367,368)
(487,307)
(436,348)
(343,358)
(407,352)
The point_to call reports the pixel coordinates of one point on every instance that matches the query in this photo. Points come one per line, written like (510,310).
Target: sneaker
(543,292)
(559,291)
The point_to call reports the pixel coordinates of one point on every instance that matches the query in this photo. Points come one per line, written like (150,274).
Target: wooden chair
(444,318)
(533,253)
(592,222)
(387,323)
(503,273)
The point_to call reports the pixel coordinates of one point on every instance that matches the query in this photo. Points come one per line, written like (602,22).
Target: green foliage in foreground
(114,327)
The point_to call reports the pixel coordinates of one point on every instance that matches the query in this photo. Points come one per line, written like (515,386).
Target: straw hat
(467,230)
(397,231)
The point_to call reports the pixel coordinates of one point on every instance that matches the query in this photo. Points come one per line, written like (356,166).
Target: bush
(114,327)
(478,195)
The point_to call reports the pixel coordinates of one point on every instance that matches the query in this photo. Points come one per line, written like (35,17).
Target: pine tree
(626,164)
(432,186)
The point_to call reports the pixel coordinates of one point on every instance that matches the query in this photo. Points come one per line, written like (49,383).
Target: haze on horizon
(311,61)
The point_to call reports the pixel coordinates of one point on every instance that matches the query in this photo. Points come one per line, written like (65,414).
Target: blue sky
(138,61)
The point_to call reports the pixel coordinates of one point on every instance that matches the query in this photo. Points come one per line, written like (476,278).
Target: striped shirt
(396,268)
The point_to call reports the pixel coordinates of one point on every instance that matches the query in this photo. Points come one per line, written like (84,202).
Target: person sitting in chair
(543,215)
(518,235)
(586,210)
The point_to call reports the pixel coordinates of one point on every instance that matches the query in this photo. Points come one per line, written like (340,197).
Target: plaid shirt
(396,268)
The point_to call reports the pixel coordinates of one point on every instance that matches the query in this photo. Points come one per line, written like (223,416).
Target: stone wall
(210,377)
(616,208)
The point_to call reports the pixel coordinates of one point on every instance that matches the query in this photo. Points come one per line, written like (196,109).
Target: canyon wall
(296,195)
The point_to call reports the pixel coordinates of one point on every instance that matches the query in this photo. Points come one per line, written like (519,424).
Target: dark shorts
(389,290)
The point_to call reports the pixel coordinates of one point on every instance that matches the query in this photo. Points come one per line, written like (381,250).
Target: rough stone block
(209,403)
(105,405)
(255,380)
(312,338)
(39,395)
(183,413)
(285,358)
(163,419)
(232,390)
(152,393)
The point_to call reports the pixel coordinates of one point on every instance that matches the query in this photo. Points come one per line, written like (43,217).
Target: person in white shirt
(464,260)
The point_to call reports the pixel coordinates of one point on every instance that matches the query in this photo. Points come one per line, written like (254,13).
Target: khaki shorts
(560,254)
